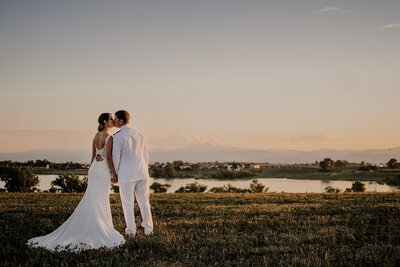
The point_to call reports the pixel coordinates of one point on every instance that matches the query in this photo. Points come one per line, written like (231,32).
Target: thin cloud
(179,140)
(313,138)
(31,139)
(391,26)
(332,10)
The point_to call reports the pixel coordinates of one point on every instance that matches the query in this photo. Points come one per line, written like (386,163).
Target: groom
(131,161)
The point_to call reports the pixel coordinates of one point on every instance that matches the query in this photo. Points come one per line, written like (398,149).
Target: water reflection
(274,184)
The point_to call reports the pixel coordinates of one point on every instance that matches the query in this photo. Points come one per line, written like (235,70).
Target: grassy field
(220,230)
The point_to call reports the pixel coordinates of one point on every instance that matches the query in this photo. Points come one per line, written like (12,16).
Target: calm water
(274,184)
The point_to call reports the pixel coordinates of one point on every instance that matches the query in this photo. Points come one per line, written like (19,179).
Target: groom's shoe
(148,231)
(129,235)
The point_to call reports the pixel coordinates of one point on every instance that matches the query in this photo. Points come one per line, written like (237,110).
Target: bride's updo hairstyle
(103,117)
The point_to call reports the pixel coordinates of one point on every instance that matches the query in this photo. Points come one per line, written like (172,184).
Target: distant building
(255,166)
(46,166)
(234,167)
(185,167)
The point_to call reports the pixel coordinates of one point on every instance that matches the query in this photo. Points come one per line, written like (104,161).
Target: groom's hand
(114,179)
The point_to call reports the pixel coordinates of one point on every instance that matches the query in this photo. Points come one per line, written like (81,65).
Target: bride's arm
(93,152)
(109,149)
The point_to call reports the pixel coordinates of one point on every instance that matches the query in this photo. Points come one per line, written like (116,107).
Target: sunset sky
(303,74)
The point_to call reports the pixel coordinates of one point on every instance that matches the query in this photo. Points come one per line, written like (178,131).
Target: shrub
(115,188)
(159,188)
(69,183)
(228,189)
(194,187)
(330,189)
(358,187)
(18,179)
(255,187)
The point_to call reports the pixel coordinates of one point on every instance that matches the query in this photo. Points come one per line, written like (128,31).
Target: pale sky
(302,74)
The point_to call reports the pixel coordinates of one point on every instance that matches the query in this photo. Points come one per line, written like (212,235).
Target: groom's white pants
(142,192)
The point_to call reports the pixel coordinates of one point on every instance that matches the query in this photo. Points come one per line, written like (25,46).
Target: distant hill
(209,152)
(218,153)
(53,155)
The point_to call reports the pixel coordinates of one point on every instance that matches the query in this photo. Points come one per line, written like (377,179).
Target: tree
(169,170)
(159,188)
(69,183)
(392,163)
(177,164)
(393,181)
(341,163)
(157,171)
(367,167)
(18,179)
(326,164)
(194,187)
(41,163)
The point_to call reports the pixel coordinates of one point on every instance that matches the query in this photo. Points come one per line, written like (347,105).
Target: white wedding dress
(90,226)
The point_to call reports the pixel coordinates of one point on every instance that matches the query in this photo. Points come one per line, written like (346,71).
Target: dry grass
(220,229)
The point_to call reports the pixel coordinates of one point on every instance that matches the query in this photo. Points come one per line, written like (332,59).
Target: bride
(90,226)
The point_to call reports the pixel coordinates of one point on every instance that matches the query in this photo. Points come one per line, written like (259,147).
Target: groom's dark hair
(123,115)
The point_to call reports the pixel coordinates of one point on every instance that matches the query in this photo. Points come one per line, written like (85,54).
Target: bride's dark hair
(103,117)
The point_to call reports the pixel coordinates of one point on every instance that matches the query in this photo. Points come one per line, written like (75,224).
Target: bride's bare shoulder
(96,136)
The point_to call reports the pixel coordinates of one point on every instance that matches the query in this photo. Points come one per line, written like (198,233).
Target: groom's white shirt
(130,155)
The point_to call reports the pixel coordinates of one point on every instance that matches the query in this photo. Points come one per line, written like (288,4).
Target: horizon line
(205,144)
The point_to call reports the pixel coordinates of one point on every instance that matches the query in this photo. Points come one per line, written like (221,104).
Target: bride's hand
(114,178)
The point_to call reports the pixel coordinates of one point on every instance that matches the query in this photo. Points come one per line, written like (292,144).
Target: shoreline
(347,174)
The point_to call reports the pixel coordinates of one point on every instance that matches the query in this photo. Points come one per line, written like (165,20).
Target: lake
(274,184)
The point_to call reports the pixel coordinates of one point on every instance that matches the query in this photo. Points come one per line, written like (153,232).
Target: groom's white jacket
(130,155)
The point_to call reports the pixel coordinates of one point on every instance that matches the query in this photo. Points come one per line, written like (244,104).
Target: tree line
(328,164)
(19,178)
(173,169)
(45,164)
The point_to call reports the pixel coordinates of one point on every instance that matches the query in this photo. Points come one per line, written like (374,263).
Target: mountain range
(210,152)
